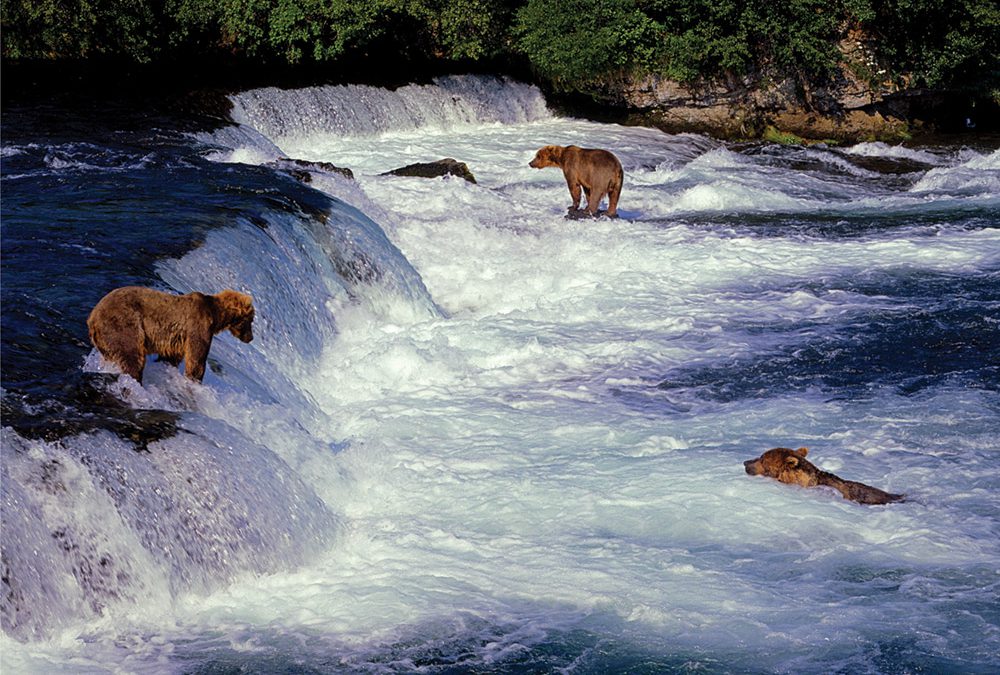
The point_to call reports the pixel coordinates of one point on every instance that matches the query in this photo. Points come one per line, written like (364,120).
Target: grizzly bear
(597,172)
(131,323)
(791,466)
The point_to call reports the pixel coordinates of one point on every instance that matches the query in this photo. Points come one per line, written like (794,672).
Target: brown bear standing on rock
(597,172)
(791,466)
(130,323)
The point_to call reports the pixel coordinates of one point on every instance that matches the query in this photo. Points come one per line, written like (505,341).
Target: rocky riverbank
(856,103)
(852,106)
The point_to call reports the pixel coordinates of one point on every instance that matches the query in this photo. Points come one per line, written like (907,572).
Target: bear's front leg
(195,356)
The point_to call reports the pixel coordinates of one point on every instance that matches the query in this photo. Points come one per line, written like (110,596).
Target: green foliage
(285,30)
(939,44)
(473,29)
(710,38)
(289,31)
(322,30)
(773,135)
(77,28)
(575,42)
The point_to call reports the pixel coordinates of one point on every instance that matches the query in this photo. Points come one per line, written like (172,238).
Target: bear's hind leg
(575,193)
(122,344)
(594,198)
(132,365)
(613,201)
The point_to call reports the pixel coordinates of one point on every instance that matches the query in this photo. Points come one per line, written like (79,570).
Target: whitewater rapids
(519,438)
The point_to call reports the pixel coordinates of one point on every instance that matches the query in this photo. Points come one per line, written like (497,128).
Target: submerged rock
(583,214)
(442,167)
(302,169)
(90,408)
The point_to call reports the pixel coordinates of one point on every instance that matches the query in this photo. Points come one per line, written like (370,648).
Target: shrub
(579,43)
(49,29)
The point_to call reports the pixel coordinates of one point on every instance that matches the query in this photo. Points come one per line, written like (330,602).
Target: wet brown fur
(131,323)
(791,466)
(596,172)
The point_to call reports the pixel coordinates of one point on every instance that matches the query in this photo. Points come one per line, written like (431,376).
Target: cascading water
(360,110)
(95,525)
(472,435)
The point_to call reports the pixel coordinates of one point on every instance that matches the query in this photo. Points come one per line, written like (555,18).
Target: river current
(472,435)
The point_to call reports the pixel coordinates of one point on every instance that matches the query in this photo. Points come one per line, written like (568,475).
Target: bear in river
(132,322)
(597,172)
(791,466)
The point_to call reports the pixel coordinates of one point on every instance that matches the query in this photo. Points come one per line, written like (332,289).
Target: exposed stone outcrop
(302,169)
(855,103)
(442,167)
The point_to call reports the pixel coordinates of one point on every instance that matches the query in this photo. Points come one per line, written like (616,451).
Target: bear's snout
(751,466)
(534,163)
(243,331)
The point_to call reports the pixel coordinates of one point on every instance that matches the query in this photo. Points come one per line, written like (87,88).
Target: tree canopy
(575,44)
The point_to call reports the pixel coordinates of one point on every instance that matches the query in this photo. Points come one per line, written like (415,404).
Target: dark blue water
(942,331)
(93,196)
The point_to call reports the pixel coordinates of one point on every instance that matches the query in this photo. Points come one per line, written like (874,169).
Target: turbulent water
(472,435)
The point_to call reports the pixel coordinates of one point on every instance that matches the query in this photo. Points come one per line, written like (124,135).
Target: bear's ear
(238,297)
(802,452)
(235,302)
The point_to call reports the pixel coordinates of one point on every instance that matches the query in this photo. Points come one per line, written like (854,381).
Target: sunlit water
(473,435)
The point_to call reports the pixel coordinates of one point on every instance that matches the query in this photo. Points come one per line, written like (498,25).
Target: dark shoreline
(198,88)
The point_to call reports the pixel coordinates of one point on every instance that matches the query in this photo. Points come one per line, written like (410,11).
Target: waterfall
(94,523)
(361,110)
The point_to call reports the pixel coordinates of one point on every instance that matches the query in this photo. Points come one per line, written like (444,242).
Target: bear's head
(550,155)
(784,464)
(237,310)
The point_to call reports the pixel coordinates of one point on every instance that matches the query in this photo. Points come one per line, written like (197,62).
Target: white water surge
(525,473)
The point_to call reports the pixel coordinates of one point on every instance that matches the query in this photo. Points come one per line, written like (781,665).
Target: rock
(301,169)
(583,214)
(855,103)
(442,167)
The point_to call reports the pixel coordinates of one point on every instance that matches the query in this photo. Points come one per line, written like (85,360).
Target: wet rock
(90,408)
(302,170)
(442,167)
(583,214)
(857,102)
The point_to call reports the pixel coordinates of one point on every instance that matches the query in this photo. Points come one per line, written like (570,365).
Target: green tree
(952,44)
(711,38)
(322,30)
(473,29)
(578,43)
(55,29)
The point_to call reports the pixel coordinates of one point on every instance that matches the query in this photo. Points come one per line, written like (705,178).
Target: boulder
(302,169)
(442,167)
(856,102)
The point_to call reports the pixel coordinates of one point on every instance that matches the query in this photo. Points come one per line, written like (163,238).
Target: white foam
(360,110)
(495,465)
(881,149)
(978,175)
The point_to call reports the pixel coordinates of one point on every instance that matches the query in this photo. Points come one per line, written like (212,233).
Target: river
(472,435)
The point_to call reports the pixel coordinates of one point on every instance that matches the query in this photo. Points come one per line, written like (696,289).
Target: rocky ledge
(856,103)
